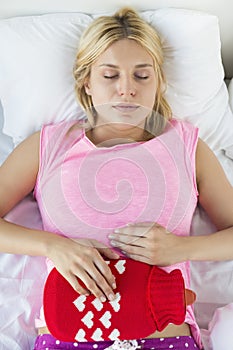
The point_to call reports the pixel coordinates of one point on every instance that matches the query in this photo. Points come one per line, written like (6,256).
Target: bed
(37,48)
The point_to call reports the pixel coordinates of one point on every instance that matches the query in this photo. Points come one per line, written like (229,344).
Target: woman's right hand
(82,258)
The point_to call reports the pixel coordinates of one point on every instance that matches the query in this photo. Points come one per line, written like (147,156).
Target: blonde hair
(104,31)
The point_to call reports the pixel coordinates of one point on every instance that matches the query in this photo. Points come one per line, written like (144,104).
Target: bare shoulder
(27,150)
(215,191)
(19,172)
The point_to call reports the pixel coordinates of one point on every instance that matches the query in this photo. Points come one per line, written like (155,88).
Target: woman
(74,170)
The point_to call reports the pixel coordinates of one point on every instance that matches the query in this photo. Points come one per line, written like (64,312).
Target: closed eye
(116,76)
(143,77)
(110,76)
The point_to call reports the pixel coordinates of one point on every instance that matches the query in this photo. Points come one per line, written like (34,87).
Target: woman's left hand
(150,243)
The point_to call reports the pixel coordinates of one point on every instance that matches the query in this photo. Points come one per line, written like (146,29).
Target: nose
(126,87)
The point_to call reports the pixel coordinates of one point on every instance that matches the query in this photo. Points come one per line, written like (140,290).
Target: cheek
(99,97)
(149,96)
(101,93)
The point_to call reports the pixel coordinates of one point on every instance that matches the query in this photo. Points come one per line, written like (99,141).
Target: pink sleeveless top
(84,191)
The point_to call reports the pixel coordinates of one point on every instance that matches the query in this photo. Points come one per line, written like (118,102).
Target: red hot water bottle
(147,299)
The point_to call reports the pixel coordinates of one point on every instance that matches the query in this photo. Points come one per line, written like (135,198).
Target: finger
(138,253)
(98,285)
(106,251)
(120,240)
(73,281)
(109,253)
(139,229)
(135,250)
(92,285)
(138,257)
(106,280)
(93,273)
(102,248)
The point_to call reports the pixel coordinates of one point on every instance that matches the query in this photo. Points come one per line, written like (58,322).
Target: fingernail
(111,236)
(102,299)
(111,297)
(117,230)
(113,243)
(114,285)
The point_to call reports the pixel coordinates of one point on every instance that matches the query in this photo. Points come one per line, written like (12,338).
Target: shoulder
(29,145)
(206,161)
(57,139)
(186,132)
(60,132)
(18,173)
(183,126)
(63,125)
(208,167)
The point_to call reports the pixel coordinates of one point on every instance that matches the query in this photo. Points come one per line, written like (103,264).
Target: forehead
(125,50)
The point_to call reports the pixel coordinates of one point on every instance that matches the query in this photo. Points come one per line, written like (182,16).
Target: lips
(126,108)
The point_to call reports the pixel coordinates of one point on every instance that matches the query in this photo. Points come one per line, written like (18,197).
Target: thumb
(109,253)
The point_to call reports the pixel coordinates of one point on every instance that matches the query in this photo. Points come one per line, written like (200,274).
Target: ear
(87,87)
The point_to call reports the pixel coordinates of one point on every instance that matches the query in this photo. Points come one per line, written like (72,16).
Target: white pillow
(193,67)
(36,61)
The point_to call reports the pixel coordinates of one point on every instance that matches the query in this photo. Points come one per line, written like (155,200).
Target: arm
(17,179)
(151,243)
(216,197)
(72,258)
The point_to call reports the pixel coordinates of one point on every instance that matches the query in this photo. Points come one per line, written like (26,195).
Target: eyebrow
(142,65)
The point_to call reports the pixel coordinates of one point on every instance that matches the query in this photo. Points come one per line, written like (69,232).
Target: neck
(108,136)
